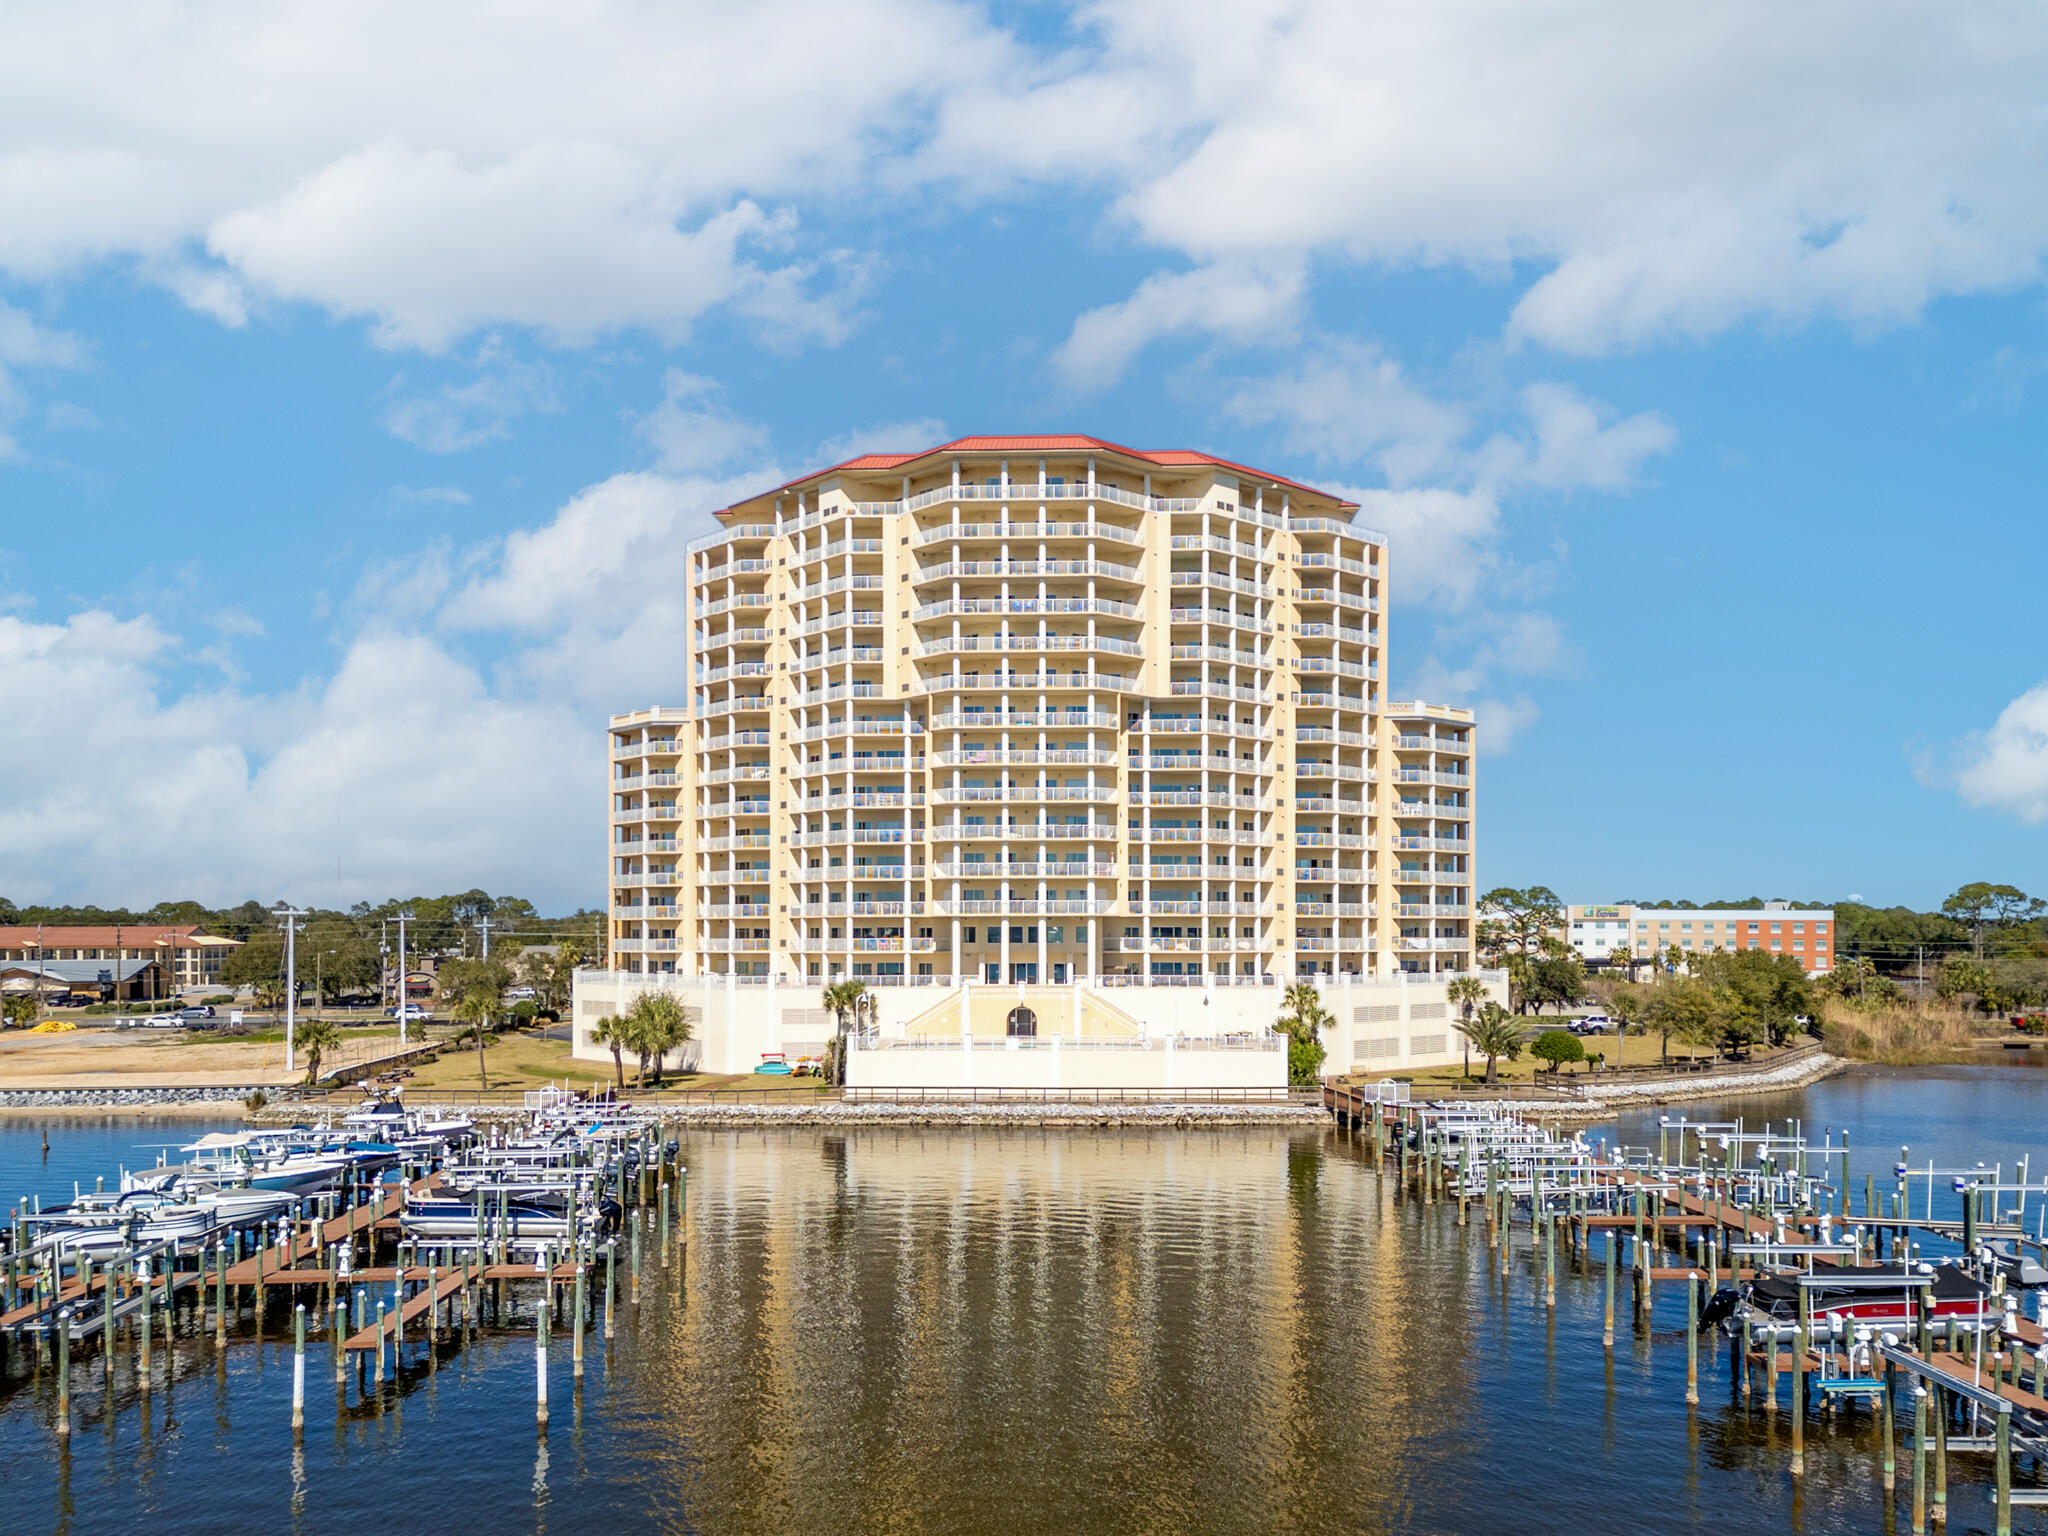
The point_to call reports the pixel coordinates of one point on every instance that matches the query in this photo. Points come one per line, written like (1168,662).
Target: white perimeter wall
(1383,1025)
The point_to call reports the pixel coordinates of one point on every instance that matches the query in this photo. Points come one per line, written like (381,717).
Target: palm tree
(1466,993)
(844,999)
(476,1008)
(658,1024)
(1493,1034)
(1627,1006)
(316,1037)
(614,1034)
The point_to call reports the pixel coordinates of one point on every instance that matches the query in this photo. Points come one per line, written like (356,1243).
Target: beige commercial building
(1040,711)
(1650,934)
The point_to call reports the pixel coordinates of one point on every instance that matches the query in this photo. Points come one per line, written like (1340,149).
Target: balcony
(1211,688)
(1332,525)
(712,610)
(833,729)
(1333,840)
(1169,725)
(1229,656)
(1024,720)
(959,645)
(858,618)
(1357,602)
(1191,762)
(737,669)
(1313,560)
(856,837)
(645,781)
(734,842)
(971,570)
(1218,580)
(1024,682)
(835,550)
(1198,908)
(1071,870)
(824,589)
(1216,797)
(743,705)
(951,533)
(1228,548)
(860,908)
(860,799)
(745,771)
(1023,906)
(641,813)
(654,747)
(978,607)
(1406,843)
(1336,908)
(1019,793)
(980,757)
(1219,616)
(731,946)
(1073,490)
(1026,831)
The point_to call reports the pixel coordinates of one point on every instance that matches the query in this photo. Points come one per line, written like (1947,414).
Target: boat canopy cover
(1950,1284)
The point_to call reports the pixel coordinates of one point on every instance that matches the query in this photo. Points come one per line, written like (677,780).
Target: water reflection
(930,1331)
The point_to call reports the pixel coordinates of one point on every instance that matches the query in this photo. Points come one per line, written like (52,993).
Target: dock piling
(64,1374)
(298,1373)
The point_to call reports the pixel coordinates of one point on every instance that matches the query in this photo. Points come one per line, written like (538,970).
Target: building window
(1022,1021)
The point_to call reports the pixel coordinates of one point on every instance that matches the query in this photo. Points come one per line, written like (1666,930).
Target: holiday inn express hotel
(1042,712)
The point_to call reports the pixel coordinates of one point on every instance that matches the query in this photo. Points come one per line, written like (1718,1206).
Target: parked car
(411,1011)
(520,994)
(1593,1024)
(196,1011)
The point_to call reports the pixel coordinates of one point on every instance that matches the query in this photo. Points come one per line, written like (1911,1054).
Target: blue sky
(359,385)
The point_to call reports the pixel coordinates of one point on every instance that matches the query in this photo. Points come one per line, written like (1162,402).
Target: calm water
(1019,1332)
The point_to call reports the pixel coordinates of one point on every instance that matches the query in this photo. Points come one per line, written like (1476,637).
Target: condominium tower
(1040,710)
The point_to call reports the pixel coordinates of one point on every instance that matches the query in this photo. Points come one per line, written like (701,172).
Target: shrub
(1557,1047)
(218,999)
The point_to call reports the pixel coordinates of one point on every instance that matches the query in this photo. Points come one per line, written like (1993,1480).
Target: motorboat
(1878,1293)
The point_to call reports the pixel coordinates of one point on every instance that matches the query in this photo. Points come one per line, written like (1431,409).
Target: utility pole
(484,927)
(291,916)
(403,999)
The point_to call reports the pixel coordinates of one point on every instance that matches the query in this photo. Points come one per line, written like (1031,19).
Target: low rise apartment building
(185,955)
(1807,934)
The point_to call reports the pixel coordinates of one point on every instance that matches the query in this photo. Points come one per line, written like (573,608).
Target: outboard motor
(1719,1308)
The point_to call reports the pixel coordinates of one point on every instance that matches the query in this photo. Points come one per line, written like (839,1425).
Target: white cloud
(1627,174)
(25,344)
(692,430)
(456,417)
(1578,446)
(1662,174)
(1347,403)
(2006,768)
(413,766)
(1242,304)
(1500,721)
(908,436)
(576,170)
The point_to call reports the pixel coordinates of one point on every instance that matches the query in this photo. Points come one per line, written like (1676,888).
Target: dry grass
(1901,1034)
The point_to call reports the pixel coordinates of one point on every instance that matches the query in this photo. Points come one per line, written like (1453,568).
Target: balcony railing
(947,533)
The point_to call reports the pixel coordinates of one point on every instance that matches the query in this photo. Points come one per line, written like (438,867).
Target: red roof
(133,936)
(1054,443)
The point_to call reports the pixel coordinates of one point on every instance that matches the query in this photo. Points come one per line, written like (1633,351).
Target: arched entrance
(1022,1021)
